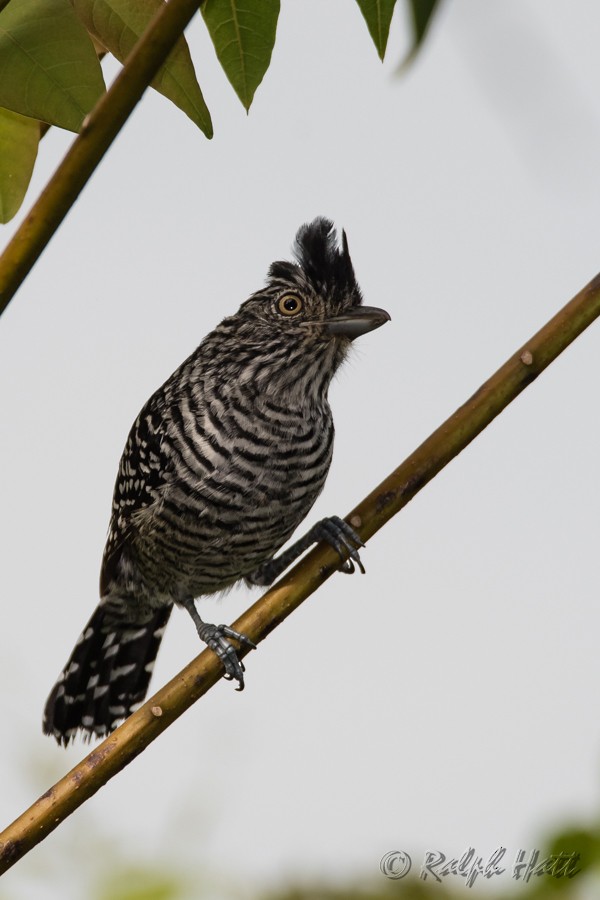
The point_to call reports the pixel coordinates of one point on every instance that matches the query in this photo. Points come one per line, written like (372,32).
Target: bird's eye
(289,305)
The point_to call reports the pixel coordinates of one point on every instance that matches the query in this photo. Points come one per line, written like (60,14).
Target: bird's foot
(343,538)
(333,531)
(216,637)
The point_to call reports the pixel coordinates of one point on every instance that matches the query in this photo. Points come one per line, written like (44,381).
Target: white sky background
(449,697)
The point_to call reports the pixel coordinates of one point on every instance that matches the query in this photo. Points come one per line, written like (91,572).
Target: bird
(221,465)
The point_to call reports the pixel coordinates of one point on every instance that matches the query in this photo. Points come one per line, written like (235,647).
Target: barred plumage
(221,465)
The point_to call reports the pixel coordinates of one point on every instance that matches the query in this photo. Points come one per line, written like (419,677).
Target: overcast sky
(448,698)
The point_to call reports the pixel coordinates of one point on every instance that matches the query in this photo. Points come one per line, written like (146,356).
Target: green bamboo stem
(140,729)
(97,134)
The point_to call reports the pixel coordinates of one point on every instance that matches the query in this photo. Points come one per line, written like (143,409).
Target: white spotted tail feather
(106,677)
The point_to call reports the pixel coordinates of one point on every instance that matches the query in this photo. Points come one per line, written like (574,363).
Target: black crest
(324,263)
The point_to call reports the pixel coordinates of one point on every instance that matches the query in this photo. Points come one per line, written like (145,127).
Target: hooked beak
(356,321)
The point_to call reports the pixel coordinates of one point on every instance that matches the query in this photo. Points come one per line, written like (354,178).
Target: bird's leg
(334,531)
(216,637)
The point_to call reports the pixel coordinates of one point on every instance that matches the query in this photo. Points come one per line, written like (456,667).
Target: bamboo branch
(140,729)
(98,131)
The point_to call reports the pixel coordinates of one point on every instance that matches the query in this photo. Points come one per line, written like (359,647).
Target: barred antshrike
(221,465)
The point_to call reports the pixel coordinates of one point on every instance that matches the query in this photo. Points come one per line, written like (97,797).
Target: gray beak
(356,321)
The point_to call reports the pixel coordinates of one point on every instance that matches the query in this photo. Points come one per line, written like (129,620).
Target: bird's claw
(344,539)
(216,637)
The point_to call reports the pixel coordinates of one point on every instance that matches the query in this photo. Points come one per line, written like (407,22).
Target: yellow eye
(289,305)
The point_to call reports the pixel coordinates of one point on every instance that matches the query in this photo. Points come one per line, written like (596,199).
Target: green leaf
(421,13)
(19,139)
(48,67)
(378,15)
(118,24)
(243,32)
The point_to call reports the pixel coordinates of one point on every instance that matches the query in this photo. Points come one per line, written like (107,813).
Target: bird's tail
(106,676)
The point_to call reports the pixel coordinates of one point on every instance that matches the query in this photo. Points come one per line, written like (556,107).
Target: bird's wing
(144,470)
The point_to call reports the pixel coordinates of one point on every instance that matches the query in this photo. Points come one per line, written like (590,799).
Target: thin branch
(140,729)
(97,134)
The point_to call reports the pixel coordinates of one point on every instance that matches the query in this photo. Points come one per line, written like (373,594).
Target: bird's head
(316,298)
(308,313)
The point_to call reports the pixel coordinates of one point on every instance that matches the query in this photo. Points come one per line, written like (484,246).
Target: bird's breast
(242,481)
